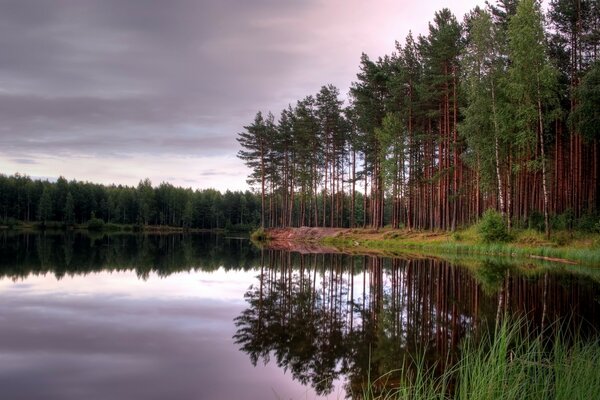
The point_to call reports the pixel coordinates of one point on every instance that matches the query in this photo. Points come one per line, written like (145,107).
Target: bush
(536,221)
(11,223)
(95,224)
(589,223)
(457,236)
(531,237)
(259,235)
(562,238)
(112,227)
(562,222)
(492,227)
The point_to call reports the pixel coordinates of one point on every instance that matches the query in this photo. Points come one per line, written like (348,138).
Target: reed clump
(508,364)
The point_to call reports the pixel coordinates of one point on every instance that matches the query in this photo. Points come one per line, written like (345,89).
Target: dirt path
(302,240)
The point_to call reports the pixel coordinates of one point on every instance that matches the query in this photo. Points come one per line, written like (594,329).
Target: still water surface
(210,317)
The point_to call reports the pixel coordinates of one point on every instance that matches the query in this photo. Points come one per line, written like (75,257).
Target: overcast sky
(113,91)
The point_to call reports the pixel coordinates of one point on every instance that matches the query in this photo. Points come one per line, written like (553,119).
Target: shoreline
(394,242)
(108,228)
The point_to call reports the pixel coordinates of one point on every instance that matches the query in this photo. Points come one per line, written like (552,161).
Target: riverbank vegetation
(509,364)
(497,110)
(562,246)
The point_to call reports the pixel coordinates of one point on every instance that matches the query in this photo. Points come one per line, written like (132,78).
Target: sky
(115,91)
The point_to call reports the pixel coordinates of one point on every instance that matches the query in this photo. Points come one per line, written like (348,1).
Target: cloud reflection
(112,336)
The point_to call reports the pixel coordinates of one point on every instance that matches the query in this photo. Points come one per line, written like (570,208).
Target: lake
(207,316)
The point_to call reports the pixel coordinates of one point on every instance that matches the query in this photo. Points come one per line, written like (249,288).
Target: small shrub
(259,235)
(531,237)
(589,223)
(536,221)
(562,238)
(95,224)
(112,227)
(562,222)
(11,223)
(492,227)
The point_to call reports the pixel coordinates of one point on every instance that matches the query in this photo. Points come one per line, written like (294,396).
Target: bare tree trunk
(497,153)
(543,154)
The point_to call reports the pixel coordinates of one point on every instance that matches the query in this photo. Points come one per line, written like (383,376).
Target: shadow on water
(332,317)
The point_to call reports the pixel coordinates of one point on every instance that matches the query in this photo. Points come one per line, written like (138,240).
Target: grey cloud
(26,161)
(90,75)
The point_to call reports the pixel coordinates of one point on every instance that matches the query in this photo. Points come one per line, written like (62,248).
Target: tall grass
(510,364)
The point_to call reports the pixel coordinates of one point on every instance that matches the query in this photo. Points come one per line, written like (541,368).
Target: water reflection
(328,316)
(78,253)
(73,305)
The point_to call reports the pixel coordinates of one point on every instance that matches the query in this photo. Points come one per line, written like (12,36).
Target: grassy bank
(509,364)
(569,247)
(574,247)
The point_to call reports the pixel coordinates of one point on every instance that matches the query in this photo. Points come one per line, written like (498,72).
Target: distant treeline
(498,110)
(63,202)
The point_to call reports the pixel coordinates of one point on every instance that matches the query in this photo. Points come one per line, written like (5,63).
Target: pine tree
(69,210)
(255,142)
(44,213)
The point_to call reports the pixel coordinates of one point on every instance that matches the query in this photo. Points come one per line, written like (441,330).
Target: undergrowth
(506,364)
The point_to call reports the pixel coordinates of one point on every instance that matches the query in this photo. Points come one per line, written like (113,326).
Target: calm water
(209,317)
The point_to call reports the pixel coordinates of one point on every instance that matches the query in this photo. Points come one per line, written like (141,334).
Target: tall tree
(255,142)
(440,51)
(69,212)
(45,206)
(483,66)
(370,95)
(533,84)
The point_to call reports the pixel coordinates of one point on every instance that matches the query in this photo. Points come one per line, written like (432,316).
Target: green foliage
(586,117)
(457,236)
(10,223)
(561,238)
(562,221)
(491,274)
(530,237)
(509,363)
(45,206)
(72,202)
(535,220)
(113,227)
(589,222)
(69,216)
(95,224)
(492,227)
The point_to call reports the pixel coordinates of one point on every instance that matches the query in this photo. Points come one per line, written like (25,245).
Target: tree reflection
(73,253)
(324,317)
(328,317)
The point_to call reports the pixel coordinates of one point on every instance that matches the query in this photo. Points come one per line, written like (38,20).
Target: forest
(500,110)
(66,203)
